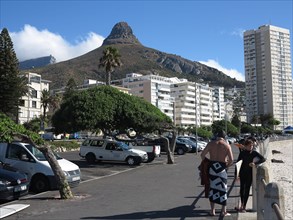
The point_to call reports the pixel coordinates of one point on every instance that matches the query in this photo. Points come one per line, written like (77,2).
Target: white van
(32,161)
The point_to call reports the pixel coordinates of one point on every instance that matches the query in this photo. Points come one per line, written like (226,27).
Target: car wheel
(180,151)
(90,158)
(130,160)
(39,184)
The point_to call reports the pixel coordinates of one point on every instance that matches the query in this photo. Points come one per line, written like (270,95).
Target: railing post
(254,192)
(273,194)
(262,178)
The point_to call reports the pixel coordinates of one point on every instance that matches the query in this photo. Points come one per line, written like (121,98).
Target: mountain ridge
(37,62)
(136,58)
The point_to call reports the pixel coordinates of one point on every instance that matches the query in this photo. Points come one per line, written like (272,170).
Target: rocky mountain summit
(121,34)
(136,58)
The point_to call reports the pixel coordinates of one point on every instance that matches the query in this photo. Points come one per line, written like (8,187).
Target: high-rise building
(268,74)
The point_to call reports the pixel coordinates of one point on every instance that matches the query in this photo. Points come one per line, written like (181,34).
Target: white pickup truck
(153,151)
(97,149)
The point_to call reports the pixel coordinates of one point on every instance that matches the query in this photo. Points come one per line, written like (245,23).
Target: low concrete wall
(268,196)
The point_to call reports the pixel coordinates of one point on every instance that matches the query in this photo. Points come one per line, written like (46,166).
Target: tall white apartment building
(204,98)
(184,104)
(268,74)
(197,104)
(30,105)
(218,103)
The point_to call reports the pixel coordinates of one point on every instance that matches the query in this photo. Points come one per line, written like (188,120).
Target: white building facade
(154,89)
(186,103)
(30,105)
(268,74)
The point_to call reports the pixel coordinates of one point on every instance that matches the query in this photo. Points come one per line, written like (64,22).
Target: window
(97,143)
(34,93)
(34,104)
(17,152)
(21,102)
(111,146)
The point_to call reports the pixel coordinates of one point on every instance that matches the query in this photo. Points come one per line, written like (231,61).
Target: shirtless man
(221,157)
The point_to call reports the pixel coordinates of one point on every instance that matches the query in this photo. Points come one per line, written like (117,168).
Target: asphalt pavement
(151,191)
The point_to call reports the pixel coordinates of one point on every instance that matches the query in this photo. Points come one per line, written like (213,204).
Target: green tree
(12,85)
(248,128)
(110,60)
(203,131)
(236,122)
(10,131)
(221,125)
(55,102)
(45,101)
(33,125)
(106,108)
(70,88)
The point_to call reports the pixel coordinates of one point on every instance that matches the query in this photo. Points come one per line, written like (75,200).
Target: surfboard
(11,209)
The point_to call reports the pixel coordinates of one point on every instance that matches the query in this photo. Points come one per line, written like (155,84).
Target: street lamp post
(226,116)
(196,124)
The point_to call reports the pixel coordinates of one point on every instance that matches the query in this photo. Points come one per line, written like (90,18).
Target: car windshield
(38,154)
(123,145)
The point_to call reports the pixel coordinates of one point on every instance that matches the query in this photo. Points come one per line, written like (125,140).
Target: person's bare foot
(225,214)
(212,214)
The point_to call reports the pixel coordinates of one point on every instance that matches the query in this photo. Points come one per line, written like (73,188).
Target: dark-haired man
(221,157)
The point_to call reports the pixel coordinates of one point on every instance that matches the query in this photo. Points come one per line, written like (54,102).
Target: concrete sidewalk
(249,214)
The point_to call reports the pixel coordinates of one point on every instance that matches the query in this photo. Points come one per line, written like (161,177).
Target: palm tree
(45,101)
(55,102)
(110,60)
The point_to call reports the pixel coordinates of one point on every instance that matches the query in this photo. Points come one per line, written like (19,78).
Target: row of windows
(33,104)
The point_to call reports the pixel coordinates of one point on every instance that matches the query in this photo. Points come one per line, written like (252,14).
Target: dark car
(13,184)
(180,148)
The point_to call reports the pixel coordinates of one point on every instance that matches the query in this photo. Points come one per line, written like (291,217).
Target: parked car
(199,142)
(75,136)
(13,184)
(96,149)
(189,142)
(50,136)
(152,150)
(180,148)
(231,140)
(31,161)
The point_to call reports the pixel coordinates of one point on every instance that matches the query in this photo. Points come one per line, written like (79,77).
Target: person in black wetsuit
(249,159)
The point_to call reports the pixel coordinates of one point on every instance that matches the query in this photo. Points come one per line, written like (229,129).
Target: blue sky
(205,31)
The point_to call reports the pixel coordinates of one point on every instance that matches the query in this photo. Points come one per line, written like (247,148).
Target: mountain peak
(121,34)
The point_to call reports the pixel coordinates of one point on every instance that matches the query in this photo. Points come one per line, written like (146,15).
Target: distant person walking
(221,157)
(249,159)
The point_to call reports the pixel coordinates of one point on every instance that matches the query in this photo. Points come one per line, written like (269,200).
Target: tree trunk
(173,140)
(64,188)
(170,153)
(108,78)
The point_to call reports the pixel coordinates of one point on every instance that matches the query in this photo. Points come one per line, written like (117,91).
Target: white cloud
(32,43)
(230,72)
(238,32)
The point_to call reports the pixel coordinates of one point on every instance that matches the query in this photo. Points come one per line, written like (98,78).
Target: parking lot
(101,169)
